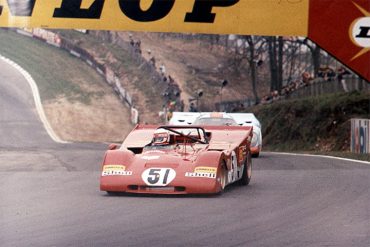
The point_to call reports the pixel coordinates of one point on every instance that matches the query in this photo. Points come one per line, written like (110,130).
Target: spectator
(192,107)
(327,73)
(275,95)
(138,44)
(171,80)
(331,74)
(341,73)
(162,68)
(132,42)
(266,100)
(306,78)
(182,105)
(152,61)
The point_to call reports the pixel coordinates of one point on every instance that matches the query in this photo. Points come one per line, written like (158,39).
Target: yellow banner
(259,17)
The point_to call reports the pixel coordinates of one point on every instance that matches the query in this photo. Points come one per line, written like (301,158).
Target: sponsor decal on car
(115,170)
(203,172)
(204,169)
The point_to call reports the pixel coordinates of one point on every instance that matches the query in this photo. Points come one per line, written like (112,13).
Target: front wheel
(256,155)
(247,171)
(222,176)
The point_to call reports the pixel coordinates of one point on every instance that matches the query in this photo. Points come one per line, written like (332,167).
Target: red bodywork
(181,168)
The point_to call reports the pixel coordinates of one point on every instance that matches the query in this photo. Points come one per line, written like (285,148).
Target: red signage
(342,28)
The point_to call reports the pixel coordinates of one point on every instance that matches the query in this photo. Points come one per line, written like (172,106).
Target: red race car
(178,160)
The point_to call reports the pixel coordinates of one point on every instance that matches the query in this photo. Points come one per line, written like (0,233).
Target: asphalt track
(49,196)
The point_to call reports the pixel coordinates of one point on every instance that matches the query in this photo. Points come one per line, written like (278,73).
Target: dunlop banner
(268,17)
(342,27)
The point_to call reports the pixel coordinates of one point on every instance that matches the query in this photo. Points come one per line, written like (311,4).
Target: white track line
(321,156)
(36,97)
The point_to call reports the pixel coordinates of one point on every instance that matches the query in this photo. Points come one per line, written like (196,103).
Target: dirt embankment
(103,120)
(198,65)
(194,65)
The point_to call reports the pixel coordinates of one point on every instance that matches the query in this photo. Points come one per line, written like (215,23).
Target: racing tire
(256,155)
(223,177)
(247,171)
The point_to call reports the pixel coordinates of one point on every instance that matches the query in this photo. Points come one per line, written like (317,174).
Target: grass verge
(57,73)
(318,125)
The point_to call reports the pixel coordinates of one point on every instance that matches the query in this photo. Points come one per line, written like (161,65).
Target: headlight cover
(254,139)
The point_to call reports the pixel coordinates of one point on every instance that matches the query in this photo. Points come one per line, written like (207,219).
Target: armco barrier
(321,87)
(108,74)
(360,136)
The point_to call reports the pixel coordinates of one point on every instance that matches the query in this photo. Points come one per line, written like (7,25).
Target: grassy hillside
(319,124)
(57,73)
(73,94)
(135,77)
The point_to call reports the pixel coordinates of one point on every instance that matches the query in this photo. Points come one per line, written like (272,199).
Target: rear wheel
(247,171)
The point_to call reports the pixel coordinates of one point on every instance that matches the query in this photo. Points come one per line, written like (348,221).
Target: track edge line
(36,97)
(322,156)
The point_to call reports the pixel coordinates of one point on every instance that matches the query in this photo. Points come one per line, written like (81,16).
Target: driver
(161,137)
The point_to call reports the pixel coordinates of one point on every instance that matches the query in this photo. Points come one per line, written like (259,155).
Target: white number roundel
(158,176)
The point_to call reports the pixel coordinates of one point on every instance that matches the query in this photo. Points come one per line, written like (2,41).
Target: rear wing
(220,136)
(228,137)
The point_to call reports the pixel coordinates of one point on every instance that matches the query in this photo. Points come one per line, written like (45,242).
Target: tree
(276,52)
(315,53)
(251,55)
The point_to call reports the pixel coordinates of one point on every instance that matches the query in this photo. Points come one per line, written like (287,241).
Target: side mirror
(112,146)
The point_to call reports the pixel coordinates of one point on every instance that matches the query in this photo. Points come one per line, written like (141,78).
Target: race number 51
(158,176)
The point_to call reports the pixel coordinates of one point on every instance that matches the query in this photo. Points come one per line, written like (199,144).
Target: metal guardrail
(320,87)
(316,88)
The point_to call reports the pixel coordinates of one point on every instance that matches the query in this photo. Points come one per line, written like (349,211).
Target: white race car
(222,118)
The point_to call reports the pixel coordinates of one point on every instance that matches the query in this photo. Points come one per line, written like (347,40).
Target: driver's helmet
(161,137)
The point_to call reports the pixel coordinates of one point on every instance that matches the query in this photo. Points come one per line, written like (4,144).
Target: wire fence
(317,88)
